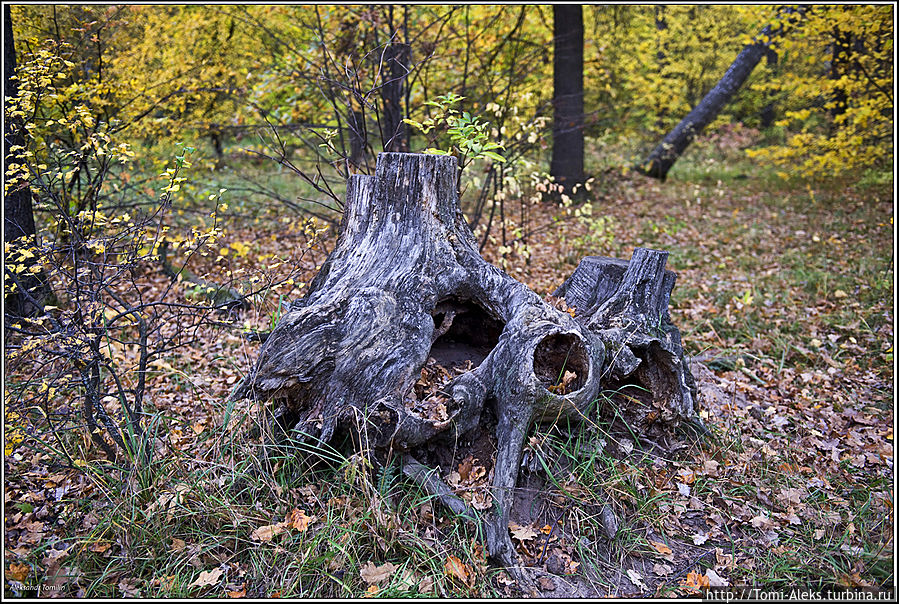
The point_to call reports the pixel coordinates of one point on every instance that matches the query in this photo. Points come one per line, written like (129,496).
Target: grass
(761,264)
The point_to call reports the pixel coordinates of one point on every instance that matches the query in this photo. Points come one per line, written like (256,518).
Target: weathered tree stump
(405,284)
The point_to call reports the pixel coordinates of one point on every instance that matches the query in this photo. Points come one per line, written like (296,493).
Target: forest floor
(784,299)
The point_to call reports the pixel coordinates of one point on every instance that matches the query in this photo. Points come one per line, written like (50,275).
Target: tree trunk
(405,291)
(567,164)
(662,158)
(396,65)
(767,113)
(358,138)
(25,291)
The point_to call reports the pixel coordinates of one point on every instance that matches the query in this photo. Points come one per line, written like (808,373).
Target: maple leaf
(372,574)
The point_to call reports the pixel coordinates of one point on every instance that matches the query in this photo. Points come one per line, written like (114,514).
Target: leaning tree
(405,286)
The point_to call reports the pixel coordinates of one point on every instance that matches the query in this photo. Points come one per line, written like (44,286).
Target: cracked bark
(405,282)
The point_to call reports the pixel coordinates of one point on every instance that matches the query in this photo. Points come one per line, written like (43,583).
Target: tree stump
(405,288)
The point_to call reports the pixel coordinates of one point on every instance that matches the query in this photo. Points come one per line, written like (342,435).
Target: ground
(784,299)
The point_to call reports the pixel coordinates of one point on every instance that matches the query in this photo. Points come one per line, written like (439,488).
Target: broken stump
(405,291)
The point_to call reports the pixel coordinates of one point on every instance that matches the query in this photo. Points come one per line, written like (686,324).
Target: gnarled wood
(405,289)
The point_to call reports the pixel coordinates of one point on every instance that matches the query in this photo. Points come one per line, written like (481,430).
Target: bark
(405,287)
(767,114)
(18,213)
(396,65)
(358,138)
(567,164)
(663,157)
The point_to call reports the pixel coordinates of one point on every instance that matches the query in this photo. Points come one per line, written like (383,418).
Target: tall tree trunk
(767,113)
(396,66)
(840,60)
(358,137)
(24,291)
(662,158)
(661,57)
(567,165)
(405,291)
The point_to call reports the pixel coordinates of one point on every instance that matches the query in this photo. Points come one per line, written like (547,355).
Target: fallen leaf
(238,593)
(100,547)
(372,574)
(298,520)
(372,591)
(456,568)
(18,572)
(661,547)
(523,533)
(267,533)
(178,544)
(636,578)
(426,585)
(207,577)
(762,522)
(662,570)
(694,581)
(547,584)
(699,539)
(714,579)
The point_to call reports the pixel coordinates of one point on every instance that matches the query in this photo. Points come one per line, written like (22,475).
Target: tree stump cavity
(405,302)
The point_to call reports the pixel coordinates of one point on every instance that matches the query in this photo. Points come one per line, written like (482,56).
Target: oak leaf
(207,577)
(661,548)
(18,572)
(636,578)
(456,568)
(523,533)
(372,574)
(268,532)
(298,520)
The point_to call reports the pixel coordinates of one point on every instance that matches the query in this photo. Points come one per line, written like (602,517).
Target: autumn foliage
(186,166)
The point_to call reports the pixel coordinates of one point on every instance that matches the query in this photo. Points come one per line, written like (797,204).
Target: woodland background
(183,168)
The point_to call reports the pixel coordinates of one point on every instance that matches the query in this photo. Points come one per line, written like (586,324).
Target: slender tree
(18,214)
(662,158)
(567,165)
